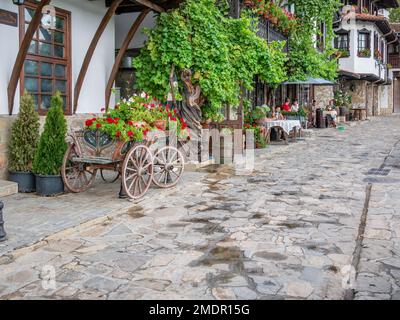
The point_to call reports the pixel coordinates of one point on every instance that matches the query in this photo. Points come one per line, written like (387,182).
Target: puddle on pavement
(219,255)
(271,256)
(292,225)
(208,228)
(136,212)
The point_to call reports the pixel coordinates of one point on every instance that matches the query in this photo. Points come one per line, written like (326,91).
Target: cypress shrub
(24,136)
(52,144)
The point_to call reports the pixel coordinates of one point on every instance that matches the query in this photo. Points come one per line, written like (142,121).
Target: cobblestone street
(316,219)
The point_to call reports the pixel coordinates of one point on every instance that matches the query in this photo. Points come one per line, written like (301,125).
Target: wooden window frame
(67,60)
(367,33)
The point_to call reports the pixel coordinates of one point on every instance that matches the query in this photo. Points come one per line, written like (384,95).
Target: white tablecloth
(286,125)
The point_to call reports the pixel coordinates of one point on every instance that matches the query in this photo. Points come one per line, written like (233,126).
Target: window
(321,37)
(342,42)
(47,65)
(364,44)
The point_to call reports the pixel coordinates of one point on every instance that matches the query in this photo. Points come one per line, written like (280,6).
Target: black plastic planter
(26,181)
(49,186)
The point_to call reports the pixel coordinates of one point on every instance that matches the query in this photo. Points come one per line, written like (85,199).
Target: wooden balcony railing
(394,60)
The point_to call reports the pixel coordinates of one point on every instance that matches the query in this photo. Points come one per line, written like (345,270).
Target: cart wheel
(137,172)
(77,176)
(111,179)
(169,165)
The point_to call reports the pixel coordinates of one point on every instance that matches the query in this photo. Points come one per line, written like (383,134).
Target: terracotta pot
(261,121)
(161,124)
(206,124)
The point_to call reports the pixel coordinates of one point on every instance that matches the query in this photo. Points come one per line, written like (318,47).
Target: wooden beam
(122,51)
(151,5)
(23,50)
(103,25)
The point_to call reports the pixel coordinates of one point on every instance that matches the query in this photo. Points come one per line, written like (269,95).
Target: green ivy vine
(305,59)
(224,54)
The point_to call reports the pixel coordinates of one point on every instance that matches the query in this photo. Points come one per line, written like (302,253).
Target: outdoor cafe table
(286,125)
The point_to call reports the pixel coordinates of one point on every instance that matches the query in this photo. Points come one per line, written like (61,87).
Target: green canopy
(314,81)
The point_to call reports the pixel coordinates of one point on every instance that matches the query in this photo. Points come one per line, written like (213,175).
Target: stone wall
(377,98)
(323,94)
(74,122)
(358,92)
(385,103)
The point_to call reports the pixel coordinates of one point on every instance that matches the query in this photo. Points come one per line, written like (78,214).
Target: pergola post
(103,25)
(23,51)
(121,53)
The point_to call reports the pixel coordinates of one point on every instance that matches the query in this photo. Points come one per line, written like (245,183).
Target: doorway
(396,95)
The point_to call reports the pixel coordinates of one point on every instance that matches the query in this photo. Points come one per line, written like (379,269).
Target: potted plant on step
(259,114)
(51,150)
(23,144)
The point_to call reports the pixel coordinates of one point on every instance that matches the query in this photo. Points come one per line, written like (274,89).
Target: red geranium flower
(110,120)
(118,134)
(145,132)
(130,134)
(89,123)
(130,123)
(173,119)
(98,126)
(175,111)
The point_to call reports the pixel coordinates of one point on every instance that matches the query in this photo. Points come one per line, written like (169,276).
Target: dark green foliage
(24,136)
(52,144)
(395,15)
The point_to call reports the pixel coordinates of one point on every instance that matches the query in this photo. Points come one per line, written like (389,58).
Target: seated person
(332,115)
(295,106)
(286,105)
(278,114)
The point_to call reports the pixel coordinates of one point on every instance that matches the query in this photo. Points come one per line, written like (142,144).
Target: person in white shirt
(295,106)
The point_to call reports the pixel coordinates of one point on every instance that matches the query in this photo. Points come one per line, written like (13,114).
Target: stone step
(8,188)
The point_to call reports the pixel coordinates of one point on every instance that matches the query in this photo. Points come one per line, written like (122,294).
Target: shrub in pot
(23,144)
(51,149)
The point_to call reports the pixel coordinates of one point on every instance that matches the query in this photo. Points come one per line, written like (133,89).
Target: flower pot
(26,181)
(261,121)
(161,125)
(206,124)
(343,111)
(49,186)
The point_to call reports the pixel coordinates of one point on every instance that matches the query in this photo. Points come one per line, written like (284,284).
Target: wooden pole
(151,5)
(121,53)
(109,14)
(23,51)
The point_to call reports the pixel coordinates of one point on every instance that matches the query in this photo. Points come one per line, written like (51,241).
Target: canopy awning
(314,81)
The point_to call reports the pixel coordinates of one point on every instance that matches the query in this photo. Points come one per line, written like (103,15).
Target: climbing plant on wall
(224,54)
(305,59)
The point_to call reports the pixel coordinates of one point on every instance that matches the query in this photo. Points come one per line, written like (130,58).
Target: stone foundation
(74,122)
(323,94)
(377,98)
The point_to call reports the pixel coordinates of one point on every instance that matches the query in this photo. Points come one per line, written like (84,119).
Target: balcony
(394,60)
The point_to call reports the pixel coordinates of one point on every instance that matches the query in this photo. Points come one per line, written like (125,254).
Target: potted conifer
(23,144)
(50,153)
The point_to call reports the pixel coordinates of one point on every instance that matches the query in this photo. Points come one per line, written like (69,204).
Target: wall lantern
(19,2)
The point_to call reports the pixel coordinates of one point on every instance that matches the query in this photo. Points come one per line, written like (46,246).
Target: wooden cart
(138,164)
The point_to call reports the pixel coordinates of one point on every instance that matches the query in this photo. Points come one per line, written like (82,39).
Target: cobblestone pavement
(293,229)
